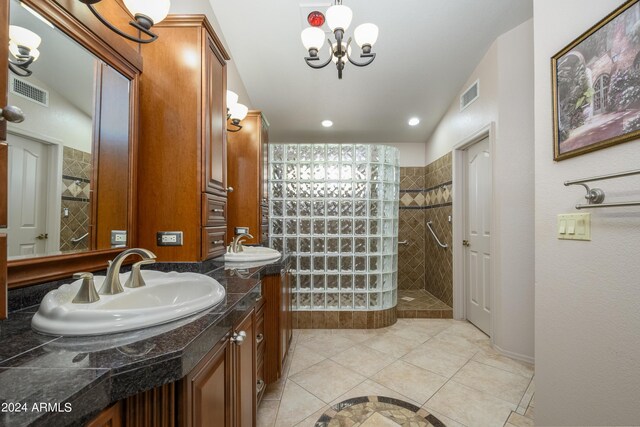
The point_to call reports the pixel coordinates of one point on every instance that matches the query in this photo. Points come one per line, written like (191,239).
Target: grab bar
(442,245)
(79,239)
(595,196)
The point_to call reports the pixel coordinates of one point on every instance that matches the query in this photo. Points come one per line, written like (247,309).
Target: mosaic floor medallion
(377,411)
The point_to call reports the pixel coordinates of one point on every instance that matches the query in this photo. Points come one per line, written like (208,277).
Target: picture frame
(596,86)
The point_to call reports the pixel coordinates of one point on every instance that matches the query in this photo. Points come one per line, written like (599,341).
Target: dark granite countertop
(87,374)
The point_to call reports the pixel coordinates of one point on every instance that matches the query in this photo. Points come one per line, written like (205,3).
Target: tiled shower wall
(76,187)
(425,195)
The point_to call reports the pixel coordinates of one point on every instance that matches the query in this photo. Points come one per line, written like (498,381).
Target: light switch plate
(574,226)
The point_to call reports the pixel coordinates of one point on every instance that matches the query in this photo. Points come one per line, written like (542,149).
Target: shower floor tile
(418,303)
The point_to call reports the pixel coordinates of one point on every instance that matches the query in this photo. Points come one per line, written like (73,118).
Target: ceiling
(64,65)
(425,53)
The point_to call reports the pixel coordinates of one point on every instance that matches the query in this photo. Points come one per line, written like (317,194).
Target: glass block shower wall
(334,207)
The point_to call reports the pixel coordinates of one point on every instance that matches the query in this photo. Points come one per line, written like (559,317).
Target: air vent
(29,91)
(470,95)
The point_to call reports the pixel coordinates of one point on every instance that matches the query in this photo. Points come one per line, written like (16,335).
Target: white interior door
(477,239)
(28,173)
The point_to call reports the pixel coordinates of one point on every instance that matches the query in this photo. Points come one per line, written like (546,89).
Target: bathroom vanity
(208,369)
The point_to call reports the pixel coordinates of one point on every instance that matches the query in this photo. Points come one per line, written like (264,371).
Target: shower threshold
(420,304)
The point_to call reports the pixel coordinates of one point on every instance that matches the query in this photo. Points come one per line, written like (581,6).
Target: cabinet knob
(259,338)
(229,189)
(239,337)
(259,386)
(218,242)
(11,114)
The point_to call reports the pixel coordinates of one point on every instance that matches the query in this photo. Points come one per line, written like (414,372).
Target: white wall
(234,81)
(587,293)
(506,98)
(60,121)
(411,154)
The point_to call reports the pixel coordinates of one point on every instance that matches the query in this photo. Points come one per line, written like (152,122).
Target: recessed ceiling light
(414,121)
(327,123)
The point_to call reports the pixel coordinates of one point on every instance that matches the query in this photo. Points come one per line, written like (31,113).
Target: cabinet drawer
(214,242)
(214,210)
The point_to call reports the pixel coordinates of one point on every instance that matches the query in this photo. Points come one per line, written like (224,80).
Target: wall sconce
(146,13)
(235,111)
(23,45)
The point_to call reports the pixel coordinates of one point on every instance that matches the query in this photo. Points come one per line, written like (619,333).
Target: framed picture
(596,86)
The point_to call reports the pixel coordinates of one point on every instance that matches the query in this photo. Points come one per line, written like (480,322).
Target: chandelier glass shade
(339,19)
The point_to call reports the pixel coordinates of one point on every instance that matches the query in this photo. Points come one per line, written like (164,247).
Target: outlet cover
(169,238)
(118,238)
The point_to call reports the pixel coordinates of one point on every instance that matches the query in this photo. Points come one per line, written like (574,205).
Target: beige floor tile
(412,332)
(498,383)
(497,360)
(297,404)
(453,344)
(267,412)
(357,335)
(435,360)
(308,334)
(470,407)
(327,345)
(446,420)
(372,388)
(302,359)
(519,420)
(310,421)
(363,360)
(274,390)
(530,412)
(327,380)
(527,398)
(416,383)
(391,344)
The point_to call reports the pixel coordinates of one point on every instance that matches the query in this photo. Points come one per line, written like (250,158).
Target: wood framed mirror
(72,162)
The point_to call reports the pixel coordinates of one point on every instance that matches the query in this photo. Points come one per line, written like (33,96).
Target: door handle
(11,114)
(43,236)
(466,243)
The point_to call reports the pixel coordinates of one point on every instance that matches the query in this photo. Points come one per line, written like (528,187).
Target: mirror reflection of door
(28,196)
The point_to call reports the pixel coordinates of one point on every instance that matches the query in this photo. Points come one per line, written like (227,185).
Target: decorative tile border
(440,195)
(344,319)
(359,409)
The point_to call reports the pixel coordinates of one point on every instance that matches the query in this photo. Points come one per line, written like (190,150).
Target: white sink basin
(253,254)
(167,297)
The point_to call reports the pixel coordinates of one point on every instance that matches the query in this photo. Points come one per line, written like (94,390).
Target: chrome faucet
(112,285)
(236,245)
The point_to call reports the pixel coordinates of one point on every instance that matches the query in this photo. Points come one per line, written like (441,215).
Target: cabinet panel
(247,168)
(213,242)
(110,417)
(245,374)
(215,122)
(207,390)
(286,330)
(214,210)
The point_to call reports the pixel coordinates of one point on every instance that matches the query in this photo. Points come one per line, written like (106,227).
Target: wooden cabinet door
(208,390)
(110,417)
(215,120)
(4,67)
(245,374)
(264,141)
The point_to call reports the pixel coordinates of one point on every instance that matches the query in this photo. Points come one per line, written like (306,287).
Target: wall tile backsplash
(76,207)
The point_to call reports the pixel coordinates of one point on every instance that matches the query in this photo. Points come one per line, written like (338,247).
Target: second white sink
(166,297)
(253,254)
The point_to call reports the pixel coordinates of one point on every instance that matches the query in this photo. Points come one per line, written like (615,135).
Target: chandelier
(338,19)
